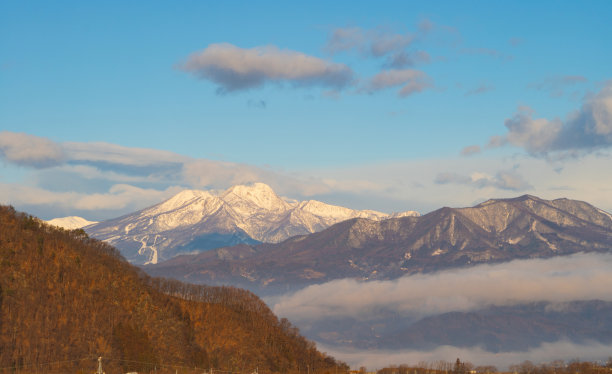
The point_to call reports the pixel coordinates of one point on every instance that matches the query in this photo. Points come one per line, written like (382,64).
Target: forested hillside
(66,299)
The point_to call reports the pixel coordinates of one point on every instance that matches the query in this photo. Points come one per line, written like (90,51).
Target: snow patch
(70,223)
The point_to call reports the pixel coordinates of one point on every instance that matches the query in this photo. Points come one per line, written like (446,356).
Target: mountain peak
(521,198)
(195,220)
(259,194)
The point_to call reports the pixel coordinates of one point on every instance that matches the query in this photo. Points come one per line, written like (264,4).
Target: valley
(361,281)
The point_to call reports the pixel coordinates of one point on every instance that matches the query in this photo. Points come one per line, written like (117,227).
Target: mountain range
(497,230)
(194,221)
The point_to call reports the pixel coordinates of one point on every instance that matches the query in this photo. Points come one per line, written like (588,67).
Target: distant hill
(508,328)
(512,328)
(195,221)
(495,231)
(71,222)
(66,299)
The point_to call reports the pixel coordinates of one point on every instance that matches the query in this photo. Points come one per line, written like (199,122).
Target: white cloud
(30,150)
(234,68)
(94,178)
(586,130)
(559,279)
(88,168)
(411,81)
(108,153)
(117,198)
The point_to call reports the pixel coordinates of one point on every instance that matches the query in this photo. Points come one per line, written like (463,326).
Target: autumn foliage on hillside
(66,299)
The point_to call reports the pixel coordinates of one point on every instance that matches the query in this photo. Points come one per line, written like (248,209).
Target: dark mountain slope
(68,299)
(494,231)
(509,328)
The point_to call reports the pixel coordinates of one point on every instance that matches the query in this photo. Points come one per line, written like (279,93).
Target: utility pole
(100,371)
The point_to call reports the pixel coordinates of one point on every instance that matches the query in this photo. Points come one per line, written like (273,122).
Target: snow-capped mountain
(193,221)
(70,223)
(494,231)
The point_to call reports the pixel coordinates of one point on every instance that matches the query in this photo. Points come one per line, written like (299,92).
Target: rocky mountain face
(494,231)
(195,221)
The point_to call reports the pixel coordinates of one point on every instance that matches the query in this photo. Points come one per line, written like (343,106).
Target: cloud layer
(559,279)
(504,180)
(64,173)
(233,68)
(556,280)
(30,150)
(101,177)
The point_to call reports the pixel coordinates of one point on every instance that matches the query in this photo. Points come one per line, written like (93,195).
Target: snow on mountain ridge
(337,212)
(179,200)
(259,194)
(243,212)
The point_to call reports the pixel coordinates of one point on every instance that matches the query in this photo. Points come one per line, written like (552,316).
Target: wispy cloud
(234,69)
(515,42)
(505,180)
(403,59)
(118,198)
(260,104)
(410,81)
(487,52)
(371,43)
(470,150)
(397,49)
(480,90)
(586,130)
(557,86)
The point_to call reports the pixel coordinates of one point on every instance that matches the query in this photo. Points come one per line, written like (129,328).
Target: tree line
(526,367)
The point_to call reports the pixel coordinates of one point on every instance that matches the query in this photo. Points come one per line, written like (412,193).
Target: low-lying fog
(556,280)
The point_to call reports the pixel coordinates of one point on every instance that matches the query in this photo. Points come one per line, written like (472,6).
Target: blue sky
(109,107)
